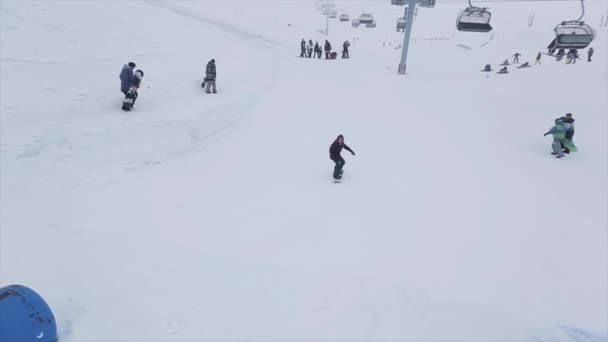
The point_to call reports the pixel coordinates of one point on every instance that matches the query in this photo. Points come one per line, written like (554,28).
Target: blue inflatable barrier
(25,316)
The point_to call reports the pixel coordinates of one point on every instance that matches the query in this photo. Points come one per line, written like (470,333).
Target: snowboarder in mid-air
(334,154)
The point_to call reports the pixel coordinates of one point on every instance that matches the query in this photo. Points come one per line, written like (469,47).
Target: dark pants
(302,52)
(339,165)
(129,101)
(589,58)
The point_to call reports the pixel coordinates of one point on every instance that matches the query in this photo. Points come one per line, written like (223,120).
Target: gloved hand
(544,135)
(353,153)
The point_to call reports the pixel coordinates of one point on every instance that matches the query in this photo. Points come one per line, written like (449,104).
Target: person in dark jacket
(131,95)
(303,48)
(589,54)
(538,59)
(345,47)
(309,49)
(327,50)
(334,154)
(516,58)
(318,50)
(126,77)
(210,73)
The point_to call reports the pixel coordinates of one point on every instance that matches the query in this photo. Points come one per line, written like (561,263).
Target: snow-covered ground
(199,217)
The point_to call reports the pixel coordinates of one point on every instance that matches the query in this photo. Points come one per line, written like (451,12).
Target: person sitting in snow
(506,62)
(131,95)
(559,134)
(503,70)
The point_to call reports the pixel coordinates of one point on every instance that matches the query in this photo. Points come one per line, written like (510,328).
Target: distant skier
(131,95)
(334,154)
(309,49)
(572,56)
(506,62)
(345,47)
(559,135)
(503,70)
(516,57)
(537,62)
(317,50)
(126,77)
(303,48)
(589,54)
(210,73)
(327,50)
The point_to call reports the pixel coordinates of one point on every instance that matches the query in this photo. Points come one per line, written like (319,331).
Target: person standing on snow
(589,54)
(327,50)
(559,134)
(537,59)
(317,50)
(345,47)
(569,124)
(126,77)
(334,154)
(131,95)
(309,49)
(210,73)
(303,48)
(516,57)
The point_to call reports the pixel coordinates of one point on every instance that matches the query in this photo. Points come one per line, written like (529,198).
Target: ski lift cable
(582,11)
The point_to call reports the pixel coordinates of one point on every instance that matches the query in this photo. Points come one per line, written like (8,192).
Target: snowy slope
(214,217)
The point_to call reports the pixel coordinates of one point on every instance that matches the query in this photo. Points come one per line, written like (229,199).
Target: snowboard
(570,145)
(338,180)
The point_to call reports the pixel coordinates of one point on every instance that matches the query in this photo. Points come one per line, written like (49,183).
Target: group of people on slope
(131,81)
(309,50)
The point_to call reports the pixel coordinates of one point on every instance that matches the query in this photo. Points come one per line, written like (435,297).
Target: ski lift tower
(409,17)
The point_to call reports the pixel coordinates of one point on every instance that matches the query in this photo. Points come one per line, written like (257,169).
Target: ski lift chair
(474,19)
(573,35)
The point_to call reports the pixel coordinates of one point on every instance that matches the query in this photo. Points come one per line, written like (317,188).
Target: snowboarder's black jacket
(336,148)
(211,71)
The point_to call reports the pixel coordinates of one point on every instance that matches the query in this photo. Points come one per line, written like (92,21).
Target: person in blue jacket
(559,135)
(126,77)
